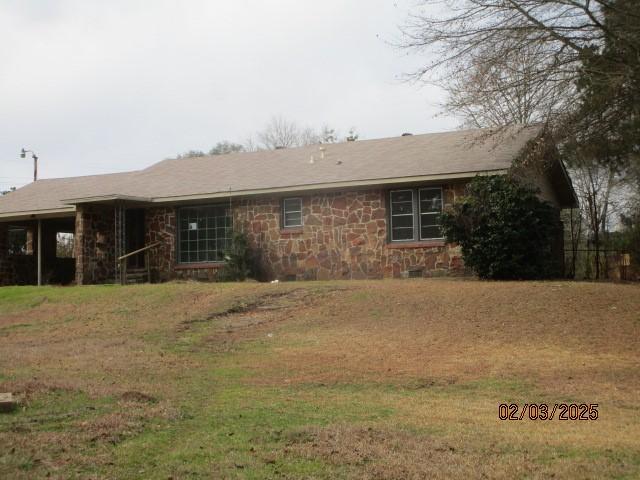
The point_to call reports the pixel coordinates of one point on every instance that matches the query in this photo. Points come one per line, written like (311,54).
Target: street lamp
(23,154)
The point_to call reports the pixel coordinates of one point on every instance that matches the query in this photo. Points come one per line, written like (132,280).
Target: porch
(111,244)
(84,247)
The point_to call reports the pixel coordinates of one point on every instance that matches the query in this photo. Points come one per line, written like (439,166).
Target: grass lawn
(380,380)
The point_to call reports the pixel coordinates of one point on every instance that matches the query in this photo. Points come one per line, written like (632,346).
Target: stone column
(78,245)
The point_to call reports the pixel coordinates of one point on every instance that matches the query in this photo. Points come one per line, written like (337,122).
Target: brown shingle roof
(367,161)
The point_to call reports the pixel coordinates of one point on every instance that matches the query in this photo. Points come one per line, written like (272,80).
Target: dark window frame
(420,213)
(285,211)
(412,214)
(416,214)
(226,239)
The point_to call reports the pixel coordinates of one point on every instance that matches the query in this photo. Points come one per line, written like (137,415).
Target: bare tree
(601,192)
(280,133)
(308,136)
(460,30)
(468,39)
(501,92)
(573,217)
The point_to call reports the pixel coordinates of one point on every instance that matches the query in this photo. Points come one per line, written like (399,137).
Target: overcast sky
(97,87)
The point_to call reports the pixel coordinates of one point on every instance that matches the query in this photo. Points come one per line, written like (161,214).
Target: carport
(37,249)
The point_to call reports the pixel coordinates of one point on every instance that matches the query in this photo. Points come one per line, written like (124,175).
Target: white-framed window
(204,233)
(430,210)
(292,212)
(414,214)
(402,215)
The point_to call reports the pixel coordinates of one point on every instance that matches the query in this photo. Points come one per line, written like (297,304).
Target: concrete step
(7,402)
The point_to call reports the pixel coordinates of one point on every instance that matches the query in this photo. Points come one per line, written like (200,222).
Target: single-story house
(362,209)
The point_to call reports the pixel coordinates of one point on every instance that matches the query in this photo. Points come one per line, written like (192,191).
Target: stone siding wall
(430,258)
(161,226)
(94,245)
(344,236)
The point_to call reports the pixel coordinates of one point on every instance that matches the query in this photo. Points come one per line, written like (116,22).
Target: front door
(134,227)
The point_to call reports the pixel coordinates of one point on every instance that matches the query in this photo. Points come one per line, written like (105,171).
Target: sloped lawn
(380,380)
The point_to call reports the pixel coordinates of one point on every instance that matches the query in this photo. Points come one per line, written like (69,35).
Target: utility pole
(23,154)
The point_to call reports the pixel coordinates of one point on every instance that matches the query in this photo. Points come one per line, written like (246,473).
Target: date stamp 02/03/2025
(544,411)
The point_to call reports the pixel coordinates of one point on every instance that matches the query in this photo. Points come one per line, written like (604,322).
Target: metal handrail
(140,250)
(123,264)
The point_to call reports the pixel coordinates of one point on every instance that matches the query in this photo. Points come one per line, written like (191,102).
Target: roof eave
(330,186)
(43,213)
(106,199)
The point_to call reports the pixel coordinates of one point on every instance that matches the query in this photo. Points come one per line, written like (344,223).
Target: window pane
(431,200)
(430,210)
(429,219)
(293,219)
(292,204)
(402,234)
(402,215)
(431,232)
(401,208)
(292,212)
(200,229)
(402,196)
(402,221)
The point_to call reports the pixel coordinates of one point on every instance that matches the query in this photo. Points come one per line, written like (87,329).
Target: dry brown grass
(389,380)
(565,337)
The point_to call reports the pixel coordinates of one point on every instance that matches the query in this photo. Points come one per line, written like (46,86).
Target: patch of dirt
(246,320)
(138,397)
(266,302)
(25,391)
(113,427)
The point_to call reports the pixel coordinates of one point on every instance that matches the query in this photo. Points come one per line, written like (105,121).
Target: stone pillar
(161,227)
(78,246)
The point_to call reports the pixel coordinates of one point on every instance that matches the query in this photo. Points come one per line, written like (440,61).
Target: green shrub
(239,260)
(504,229)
